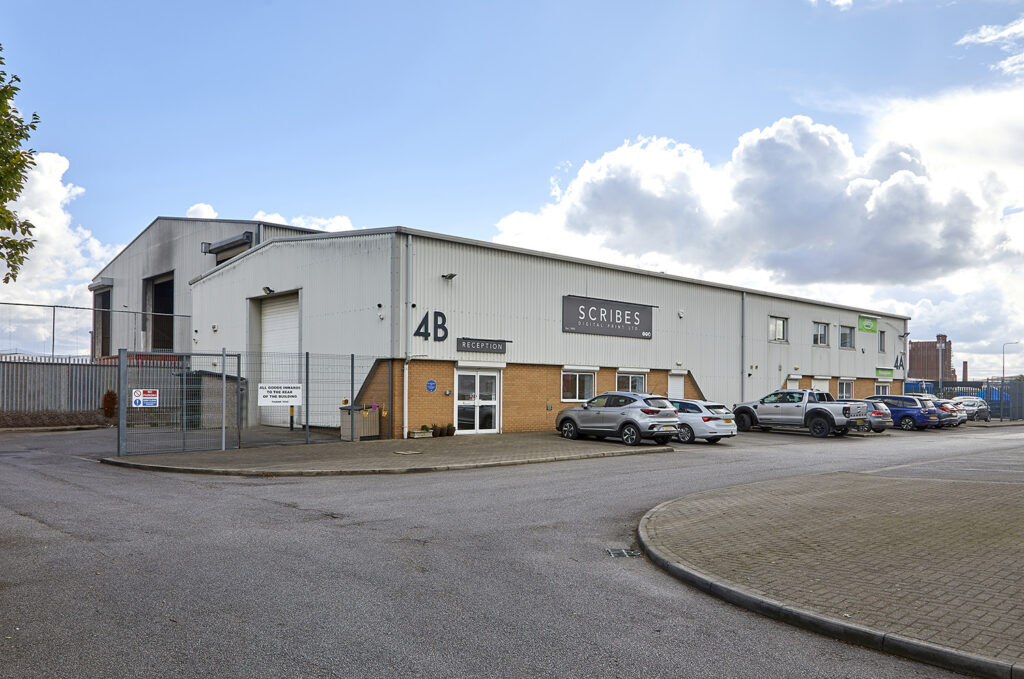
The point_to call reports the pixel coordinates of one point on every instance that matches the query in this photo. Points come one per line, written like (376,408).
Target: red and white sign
(145,398)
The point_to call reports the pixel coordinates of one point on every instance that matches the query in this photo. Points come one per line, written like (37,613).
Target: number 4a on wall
(440,327)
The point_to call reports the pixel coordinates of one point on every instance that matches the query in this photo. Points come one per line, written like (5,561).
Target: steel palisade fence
(200,401)
(67,384)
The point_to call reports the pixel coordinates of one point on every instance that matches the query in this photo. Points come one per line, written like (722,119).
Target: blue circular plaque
(431,386)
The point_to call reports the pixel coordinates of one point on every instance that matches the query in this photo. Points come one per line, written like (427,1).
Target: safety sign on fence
(145,398)
(279,394)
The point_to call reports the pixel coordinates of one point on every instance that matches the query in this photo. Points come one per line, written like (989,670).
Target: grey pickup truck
(816,411)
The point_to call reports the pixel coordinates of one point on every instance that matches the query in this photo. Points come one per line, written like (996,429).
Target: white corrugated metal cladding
(352,290)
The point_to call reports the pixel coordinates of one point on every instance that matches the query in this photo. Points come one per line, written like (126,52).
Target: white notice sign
(280,395)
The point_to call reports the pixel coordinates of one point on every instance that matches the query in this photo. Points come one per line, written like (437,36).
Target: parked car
(816,411)
(911,412)
(948,414)
(977,408)
(879,415)
(631,416)
(703,420)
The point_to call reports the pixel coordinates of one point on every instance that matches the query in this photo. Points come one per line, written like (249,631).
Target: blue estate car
(911,412)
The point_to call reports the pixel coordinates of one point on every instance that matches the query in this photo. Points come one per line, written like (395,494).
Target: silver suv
(629,415)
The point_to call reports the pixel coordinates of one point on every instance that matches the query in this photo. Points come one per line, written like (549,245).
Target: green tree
(15,162)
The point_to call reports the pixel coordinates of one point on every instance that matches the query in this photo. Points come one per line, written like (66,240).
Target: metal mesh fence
(178,402)
(185,402)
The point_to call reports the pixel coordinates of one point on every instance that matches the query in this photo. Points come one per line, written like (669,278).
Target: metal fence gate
(178,402)
(205,401)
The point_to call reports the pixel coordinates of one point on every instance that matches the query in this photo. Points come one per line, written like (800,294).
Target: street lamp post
(1002,383)
(941,346)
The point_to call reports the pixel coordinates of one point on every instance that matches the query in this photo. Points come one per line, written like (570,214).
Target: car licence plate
(728,421)
(667,426)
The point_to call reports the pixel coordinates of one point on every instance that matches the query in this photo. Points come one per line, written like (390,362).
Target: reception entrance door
(476,404)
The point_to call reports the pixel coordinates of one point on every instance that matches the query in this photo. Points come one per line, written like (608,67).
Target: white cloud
(58,269)
(336,223)
(201,211)
(903,227)
(841,4)
(1009,38)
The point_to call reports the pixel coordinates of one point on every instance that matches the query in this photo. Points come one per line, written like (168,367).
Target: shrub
(109,404)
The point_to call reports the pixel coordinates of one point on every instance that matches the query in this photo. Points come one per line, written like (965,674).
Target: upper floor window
(820,337)
(778,329)
(846,335)
(881,341)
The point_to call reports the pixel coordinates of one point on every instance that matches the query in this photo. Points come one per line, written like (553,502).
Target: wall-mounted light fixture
(681,313)
(448,276)
(268,291)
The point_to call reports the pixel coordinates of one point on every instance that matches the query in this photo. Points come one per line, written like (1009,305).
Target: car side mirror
(586,405)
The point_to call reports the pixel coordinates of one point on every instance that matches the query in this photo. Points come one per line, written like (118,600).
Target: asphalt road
(111,572)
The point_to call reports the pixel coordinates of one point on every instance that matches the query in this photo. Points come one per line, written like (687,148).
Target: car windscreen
(718,409)
(659,403)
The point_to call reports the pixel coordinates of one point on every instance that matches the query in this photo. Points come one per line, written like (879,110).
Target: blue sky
(605,122)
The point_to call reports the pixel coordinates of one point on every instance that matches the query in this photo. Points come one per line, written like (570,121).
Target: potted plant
(436,430)
(450,429)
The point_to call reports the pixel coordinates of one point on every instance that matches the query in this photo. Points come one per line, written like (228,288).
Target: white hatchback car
(703,420)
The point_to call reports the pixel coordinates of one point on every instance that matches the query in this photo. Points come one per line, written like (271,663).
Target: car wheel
(819,427)
(878,430)
(907,423)
(842,431)
(743,422)
(630,434)
(714,439)
(569,430)
(685,433)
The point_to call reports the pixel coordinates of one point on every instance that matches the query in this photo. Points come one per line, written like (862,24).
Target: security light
(267,291)
(448,276)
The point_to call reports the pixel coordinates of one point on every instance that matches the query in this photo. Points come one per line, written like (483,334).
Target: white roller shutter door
(281,363)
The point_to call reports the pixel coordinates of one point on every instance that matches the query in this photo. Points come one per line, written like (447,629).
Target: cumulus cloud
(841,4)
(1009,38)
(795,201)
(201,211)
(336,223)
(59,267)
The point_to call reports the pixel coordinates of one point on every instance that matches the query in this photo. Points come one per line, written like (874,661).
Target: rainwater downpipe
(743,347)
(408,328)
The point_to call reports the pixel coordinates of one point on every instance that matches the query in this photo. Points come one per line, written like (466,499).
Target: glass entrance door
(476,405)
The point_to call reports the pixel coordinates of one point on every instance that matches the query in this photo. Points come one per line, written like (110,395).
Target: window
(820,337)
(778,329)
(577,386)
(881,341)
(635,383)
(881,389)
(845,389)
(846,336)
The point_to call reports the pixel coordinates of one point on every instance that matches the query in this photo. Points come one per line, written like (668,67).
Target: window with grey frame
(820,336)
(846,336)
(778,329)
(577,386)
(881,341)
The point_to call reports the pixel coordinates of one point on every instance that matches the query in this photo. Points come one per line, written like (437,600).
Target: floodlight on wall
(448,276)
(267,291)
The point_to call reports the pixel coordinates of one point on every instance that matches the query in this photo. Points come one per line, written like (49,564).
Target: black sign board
(592,316)
(487,346)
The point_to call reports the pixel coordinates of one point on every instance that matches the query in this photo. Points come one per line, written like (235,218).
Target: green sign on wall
(867,324)
(883,372)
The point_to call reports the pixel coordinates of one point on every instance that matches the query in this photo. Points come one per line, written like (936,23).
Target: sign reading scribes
(280,394)
(605,317)
(487,346)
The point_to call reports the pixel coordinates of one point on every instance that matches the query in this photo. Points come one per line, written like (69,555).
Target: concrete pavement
(388,456)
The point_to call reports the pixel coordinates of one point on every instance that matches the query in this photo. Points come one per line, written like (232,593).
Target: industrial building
(498,338)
